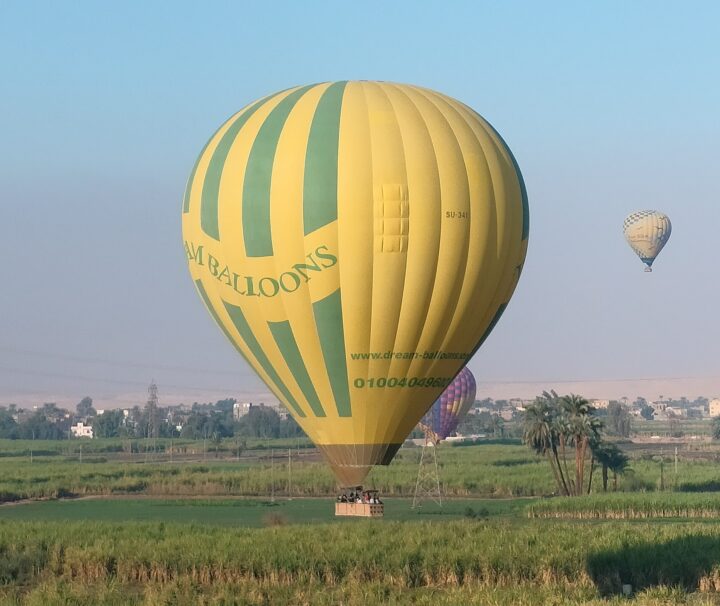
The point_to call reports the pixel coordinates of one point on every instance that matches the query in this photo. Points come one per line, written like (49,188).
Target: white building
(600,403)
(674,412)
(714,407)
(240,409)
(81,430)
(659,407)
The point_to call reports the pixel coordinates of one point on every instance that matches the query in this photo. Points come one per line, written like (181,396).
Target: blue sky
(608,107)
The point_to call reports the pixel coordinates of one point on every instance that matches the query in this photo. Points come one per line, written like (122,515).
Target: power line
(41,373)
(591,380)
(108,362)
(480,382)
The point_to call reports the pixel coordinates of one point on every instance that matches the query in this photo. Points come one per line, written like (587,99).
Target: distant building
(714,407)
(659,406)
(514,403)
(81,430)
(600,403)
(240,409)
(674,412)
(506,414)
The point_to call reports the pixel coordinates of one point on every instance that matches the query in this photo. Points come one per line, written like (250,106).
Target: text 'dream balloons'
(647,231)
(356,242)
(452,405)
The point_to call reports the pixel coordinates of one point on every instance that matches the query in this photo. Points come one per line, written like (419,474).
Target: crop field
(687,427)
(629,506)
(276,468)
(475,471)
(501,560)
(248,512)
(213,528)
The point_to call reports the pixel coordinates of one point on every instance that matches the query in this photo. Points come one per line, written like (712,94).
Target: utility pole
(290,474)
(272,475)
(662,473)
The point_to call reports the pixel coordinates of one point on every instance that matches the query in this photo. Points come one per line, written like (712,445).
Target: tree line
(203,421)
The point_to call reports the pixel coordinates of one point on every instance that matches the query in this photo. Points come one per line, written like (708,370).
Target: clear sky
(608,107)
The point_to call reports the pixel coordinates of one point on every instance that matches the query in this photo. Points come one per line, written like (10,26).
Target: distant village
(660,409)
(229,417)
(221,419)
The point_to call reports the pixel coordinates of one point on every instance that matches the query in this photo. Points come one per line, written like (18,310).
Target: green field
(203,528)
(247,512)
(479,471)
(633,506)
(503,559)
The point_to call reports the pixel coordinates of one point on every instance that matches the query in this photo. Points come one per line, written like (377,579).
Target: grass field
(479,471)
(504,559)
(248,512)
(624,506)
(158,531)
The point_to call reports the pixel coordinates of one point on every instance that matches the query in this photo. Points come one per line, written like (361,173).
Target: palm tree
(611,458)
(540,434)
(562,430)
(618,464)
(498,426)
(582,428)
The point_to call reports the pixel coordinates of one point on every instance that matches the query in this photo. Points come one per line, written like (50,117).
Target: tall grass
(629,506)
(590,559)
(249,593)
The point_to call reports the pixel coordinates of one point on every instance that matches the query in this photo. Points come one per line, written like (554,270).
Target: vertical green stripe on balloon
(242,326)
(211,184)
(258,175)
(321,161)
(524,196)
(285,340)
(188,187)
(329,322)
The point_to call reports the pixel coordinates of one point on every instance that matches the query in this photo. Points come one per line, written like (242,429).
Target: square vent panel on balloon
(392,223)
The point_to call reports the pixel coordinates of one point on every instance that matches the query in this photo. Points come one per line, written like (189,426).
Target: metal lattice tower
(427,486)
(153,420)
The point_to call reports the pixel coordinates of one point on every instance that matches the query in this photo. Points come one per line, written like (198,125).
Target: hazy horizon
(607,108)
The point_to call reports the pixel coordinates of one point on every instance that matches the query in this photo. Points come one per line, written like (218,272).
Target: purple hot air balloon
(452,405)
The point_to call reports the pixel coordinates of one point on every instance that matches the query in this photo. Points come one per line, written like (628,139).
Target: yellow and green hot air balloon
(647,232)
(356,242)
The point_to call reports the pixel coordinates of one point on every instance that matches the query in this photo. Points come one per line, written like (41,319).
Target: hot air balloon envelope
(647,231)
(356,242)
(452,405)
